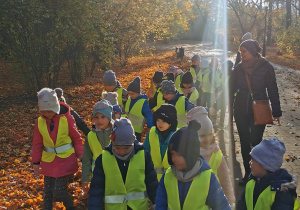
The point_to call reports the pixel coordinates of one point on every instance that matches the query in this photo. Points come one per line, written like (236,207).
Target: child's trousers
(58,188)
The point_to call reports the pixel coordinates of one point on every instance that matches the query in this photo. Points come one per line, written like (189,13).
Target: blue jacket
(283,199)
(215,198)
(97,190)
(146,111)
(163,143)
(188,105)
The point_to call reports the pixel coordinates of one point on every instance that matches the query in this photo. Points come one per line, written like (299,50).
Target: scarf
(208,150)
(125,158)
(251,65)
(187,91)
(186,176)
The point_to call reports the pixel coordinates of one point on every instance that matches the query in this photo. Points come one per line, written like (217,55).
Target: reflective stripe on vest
(160,165)
(215,162)
(264,201)
(181,113)
(196,196)
(95,146)
(63,140)
(177,81)
(193,97)
(133,193)
(135,114)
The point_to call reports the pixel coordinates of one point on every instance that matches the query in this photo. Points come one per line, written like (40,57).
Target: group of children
(179,165)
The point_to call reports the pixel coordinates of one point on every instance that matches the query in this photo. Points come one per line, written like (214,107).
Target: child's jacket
(137,110)
(268,192)
(65,162)
(97,190)
(215,198)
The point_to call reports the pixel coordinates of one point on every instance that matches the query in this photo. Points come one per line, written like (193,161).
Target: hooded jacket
(97,190)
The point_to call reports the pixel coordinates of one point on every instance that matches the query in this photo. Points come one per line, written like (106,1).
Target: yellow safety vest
(133,193)
(215,162)
(159,101)
(197,77)
(135,114)
(196,196)
(193,97)
(177,81)
(95,147)
(63,147)
(120,95)
(265,200)
(160,165)
(181,113)
(206,84)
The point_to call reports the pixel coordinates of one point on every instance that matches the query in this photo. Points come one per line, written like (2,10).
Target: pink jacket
(59,167)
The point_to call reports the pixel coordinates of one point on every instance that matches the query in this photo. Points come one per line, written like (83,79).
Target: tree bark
(288,13)
(269,30)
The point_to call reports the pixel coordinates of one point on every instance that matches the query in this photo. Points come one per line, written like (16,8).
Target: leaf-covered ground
(19,188)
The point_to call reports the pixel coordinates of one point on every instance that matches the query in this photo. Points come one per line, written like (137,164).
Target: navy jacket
(263,84)
(215,198)
(283,199)
(97,190)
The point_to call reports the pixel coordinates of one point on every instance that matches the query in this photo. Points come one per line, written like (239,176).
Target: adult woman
(263,83)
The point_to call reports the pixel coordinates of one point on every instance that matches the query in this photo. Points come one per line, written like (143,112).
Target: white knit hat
(47,100)
(200,113)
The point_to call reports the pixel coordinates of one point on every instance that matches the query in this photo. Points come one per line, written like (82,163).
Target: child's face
(178,160)
(48,114)
(109,88)
(162,125)
(186,85)
(195,63)
(256,169)
(101,121)
(133,95)
(169,97)
(122,150)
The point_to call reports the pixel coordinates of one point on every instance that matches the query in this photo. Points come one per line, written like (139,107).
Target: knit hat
(109,78)
(47,100)
(204,64)
(269,153)
(252,46)
(172,69)
(187,78)
(196,58)
(169,76)
(135,85)
(168,87)
(167,113)
(200,113)
(157,78)
(122,132)
(186,142)
(112,97)
(247,36)
(104,107)
(59,92)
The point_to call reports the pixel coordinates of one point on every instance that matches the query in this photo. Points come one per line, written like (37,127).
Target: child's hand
(37,170)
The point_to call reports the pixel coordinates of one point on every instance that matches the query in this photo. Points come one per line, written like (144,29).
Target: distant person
(155,84)
(188,89)
(177,75)
(269,187)
(245,37)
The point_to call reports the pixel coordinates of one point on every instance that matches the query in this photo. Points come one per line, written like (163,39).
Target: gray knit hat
(200,113)
(168,87)
(269,153)
(48,101)
(196,58)
(135,85)
(104,107)
(122,132)
(112,97)
(247,36)
(204,64)
(109,78)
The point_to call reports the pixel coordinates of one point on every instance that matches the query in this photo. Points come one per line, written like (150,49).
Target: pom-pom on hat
(122,132)
(109,78)
(269,153)
(135,85)
(247,36)
(252,46)
(186,142)
(112,97)
(48,101)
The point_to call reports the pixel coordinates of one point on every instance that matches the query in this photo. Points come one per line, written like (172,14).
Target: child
(187,87)
(97,139)
(189,182)
(124,175)
(137,108)
(79,122)
(112,97)
(195,68)
(111,84)
(269,187)
(181,103)
(177,75)
(56,144)
(207,86)
(210,150)
(155,84)
(157,140)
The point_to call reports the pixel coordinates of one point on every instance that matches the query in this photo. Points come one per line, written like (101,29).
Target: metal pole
(264,43)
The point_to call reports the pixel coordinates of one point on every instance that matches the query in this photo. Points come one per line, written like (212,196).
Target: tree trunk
(288,13)
(269,30)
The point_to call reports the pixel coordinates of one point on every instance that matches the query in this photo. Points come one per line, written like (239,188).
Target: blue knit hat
(109,78)
(269,153)
(104,107)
